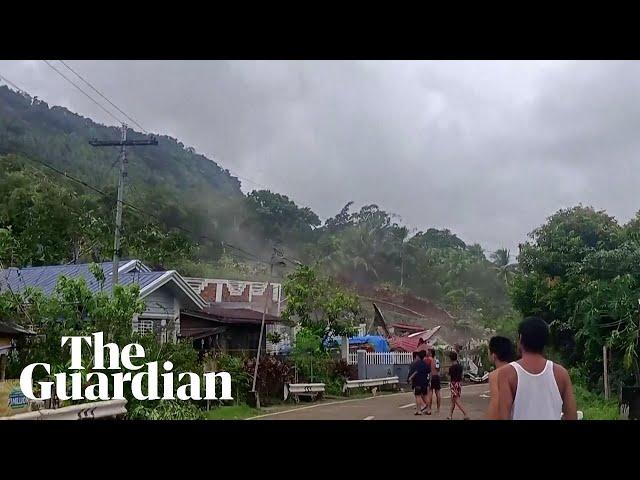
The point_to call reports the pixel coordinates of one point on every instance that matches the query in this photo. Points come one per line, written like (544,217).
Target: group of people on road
(529,388)
(424,377)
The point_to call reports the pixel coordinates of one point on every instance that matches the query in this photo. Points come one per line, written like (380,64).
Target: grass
(594,406)
(232,412)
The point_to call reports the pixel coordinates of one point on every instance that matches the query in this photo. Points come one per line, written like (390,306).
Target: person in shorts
(418,378)
(455,384)
(435,381)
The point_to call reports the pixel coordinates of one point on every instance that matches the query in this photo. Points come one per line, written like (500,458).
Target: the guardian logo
(99,387)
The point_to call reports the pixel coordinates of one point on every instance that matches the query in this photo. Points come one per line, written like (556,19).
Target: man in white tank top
(534,388)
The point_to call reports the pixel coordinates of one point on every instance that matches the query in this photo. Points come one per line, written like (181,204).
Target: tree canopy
(580,273)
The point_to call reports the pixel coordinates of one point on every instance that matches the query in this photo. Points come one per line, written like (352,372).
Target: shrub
(272,375)
(341,370)
(594,406)
(166,410)
(235,366)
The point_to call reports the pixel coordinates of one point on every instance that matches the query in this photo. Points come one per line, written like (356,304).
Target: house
(239,293)
(165,293)
(228,330)
(402,329)
(411,342)
(9,333)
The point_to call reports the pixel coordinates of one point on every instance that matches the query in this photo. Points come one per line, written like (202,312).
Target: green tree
(277,216)
(579,272)
(320,305)
(74,310)
(501,258)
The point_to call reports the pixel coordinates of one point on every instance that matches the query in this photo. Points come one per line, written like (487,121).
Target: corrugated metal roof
(13,328)
(45,278)
(408,326)
(411,343)
(233,315)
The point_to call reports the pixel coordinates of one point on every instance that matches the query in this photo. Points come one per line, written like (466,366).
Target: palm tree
(501,258)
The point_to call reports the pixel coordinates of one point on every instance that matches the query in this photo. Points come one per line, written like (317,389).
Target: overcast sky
(488,149)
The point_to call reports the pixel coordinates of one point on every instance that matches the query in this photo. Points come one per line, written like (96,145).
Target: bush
(166,410)
(272,375)
(235,366)
(594,406)
(340,369)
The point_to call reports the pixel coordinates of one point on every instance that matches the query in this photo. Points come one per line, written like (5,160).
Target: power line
(9,82)
(151,215)
(125,114)
(242,177)
(138,124)
(83,92)
(103,96)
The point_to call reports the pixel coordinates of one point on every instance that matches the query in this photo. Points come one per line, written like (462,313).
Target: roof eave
(180,282)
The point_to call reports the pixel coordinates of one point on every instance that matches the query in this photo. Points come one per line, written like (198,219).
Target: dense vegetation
(198,209)
(73,310)
(580,272)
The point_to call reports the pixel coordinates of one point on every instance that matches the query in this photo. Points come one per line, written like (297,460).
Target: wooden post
(3,366)
(606,372)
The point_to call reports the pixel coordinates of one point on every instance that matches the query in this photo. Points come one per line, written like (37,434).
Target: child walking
(455,383)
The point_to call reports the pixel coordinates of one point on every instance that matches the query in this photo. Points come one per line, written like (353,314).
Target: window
(143,326)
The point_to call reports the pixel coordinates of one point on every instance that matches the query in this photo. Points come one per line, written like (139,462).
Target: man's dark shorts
(420,389)
(435,382)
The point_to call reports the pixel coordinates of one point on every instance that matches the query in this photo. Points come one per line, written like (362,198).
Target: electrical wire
(83,92)
(103,96)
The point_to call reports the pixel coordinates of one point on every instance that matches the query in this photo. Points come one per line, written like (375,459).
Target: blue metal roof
(45,278)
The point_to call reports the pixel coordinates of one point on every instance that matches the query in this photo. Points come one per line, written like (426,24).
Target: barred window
(143,326)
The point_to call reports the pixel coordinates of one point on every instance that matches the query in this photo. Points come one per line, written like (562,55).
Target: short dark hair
(502,348)
(422,354)
(453,356)
(534,334)
(433,352)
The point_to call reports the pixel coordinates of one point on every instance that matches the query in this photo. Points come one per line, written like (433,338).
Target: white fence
(380,358)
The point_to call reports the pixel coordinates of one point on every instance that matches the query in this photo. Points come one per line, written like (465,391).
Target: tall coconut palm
(501,258)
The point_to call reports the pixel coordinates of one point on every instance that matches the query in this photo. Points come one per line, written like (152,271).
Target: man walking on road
(534,388)
(426,397)
(501,352)
(434,384)
(455,386)
(418,378)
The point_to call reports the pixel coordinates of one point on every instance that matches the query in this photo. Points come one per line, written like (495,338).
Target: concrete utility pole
(123,143)
(264,314)
(605,377)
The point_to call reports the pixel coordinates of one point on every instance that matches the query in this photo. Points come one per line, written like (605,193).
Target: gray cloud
(487,149)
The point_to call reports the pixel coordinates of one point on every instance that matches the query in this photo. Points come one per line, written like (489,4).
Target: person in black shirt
(455,384)
(418,377)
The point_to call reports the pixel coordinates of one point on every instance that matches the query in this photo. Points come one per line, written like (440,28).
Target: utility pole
(264,314)
(401,264)
(123,143)
(606,372)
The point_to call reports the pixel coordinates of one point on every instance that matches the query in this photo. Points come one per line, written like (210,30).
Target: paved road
(400,406)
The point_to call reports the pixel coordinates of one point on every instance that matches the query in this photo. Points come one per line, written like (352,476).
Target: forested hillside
(196,206)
